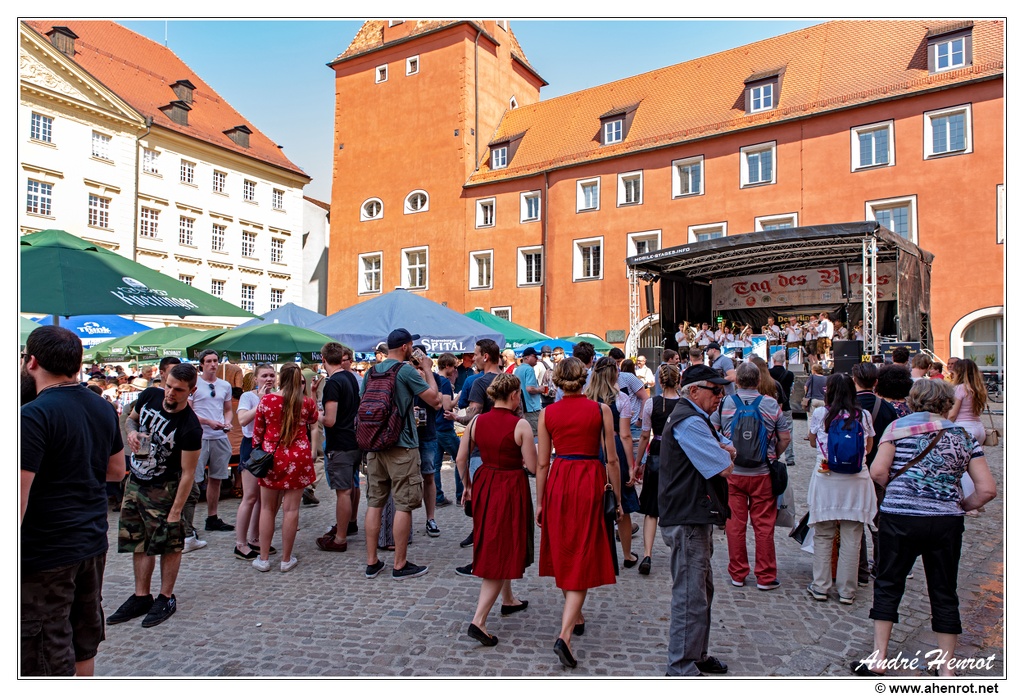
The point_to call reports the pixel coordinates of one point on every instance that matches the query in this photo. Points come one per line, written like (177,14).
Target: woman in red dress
(574,540)
(502,509)
(281,427)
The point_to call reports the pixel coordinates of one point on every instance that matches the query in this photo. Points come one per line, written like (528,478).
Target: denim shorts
(428,457)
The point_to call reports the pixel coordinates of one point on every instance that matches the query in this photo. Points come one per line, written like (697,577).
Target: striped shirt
(932,486)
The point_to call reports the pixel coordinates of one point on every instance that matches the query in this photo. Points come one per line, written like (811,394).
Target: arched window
(372,209)
(417,202)
(982,342)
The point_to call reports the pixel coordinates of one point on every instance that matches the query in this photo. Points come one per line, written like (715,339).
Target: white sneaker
(260,564)
(288,565)
(192,543)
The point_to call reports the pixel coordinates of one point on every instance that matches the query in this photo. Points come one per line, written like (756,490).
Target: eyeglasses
(716,390)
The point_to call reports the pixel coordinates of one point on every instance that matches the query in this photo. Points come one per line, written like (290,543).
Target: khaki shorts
(394,472)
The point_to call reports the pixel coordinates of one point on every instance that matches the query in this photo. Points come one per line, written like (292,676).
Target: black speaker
(844,279)
(653,356)
(844,365)
(847,349)
(649,292)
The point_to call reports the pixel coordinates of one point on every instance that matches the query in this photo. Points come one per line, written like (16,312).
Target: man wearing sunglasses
(212,404)
(693,497)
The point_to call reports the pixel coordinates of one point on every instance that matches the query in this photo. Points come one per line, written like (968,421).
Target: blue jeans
(447,442)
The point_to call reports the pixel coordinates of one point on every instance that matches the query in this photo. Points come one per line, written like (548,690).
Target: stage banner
(819,286)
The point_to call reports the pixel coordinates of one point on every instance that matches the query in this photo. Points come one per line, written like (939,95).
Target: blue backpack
(749,436)
(845,446)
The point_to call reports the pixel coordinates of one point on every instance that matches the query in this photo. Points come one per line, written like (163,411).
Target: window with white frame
(414,268)
(872,145)
(248,243)
(149,221)
(276,298)
(412,65)
(703,233)
(643,242)
(188,172)
(503,312)
(370,272)
(99,211)
(41,128)
(613,131)
(762,97)
(100,145)
(588,195)
(587,263)
(40,198)
(417,202)
(530,269)
(249,190)
(480,270)
(688,177)
(757,164)
(631,189)
(219,181)
(896,214)
(499,157)
(372,209)
(951,53)
(485,212)
(187,280)
(277,199)
(150,161)
(217,288)
(217,235)
(276,250)
(382,73)
(248,297)
(186,226)
(948,131)
(529,206)
(775,222)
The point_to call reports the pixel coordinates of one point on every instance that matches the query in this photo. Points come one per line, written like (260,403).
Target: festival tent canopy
(65,275)
(269,343)
(135,345)
(25,327)
(599,346)
(95,329)
(365,325)
(517,337)
(552,344)
(289,313)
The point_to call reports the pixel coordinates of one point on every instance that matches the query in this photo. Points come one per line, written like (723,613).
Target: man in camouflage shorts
(165,438)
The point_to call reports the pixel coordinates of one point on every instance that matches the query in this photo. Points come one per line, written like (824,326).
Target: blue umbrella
(566,346)
(93,329)
(290,314)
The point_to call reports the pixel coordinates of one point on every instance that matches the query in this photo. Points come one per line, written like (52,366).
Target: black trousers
(901,540)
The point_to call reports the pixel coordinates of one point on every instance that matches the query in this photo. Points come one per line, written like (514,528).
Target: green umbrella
(516,335)
(599,346)
(269,343)
(187,345)
(26,327)
(64,275)
(111,349)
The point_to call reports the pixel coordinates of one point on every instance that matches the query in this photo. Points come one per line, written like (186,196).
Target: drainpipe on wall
(476,100)
(135,226)
(544,257)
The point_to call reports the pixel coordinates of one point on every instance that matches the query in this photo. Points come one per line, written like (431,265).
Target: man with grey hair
(784,377)
(750,485)
(693,497)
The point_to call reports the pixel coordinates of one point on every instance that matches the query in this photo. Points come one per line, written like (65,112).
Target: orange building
(453,179)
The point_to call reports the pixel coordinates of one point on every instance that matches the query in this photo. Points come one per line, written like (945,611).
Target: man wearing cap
(693,497)
(396,471)
(530,388)
(723,365)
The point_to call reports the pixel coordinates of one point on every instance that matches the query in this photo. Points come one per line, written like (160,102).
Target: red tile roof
(829,66)
(321,204)
(141,72)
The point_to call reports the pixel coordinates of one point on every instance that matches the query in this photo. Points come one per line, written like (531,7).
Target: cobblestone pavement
(325,618)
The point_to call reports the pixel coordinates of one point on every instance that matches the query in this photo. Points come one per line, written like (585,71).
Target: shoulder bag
(914,461)
(609,506)
(992,433)
(260,462)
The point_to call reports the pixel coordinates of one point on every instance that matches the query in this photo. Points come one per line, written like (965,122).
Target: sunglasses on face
(716,390)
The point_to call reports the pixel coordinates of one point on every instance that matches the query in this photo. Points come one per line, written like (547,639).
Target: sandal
(861,668)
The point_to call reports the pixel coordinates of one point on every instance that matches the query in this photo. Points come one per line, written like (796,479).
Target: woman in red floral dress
(282,427)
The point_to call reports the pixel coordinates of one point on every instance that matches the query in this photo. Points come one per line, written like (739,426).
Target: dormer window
(949,46)
(177,111)
(503,149)
(239,135)
(63,39)
(613,132)
(762,90)
(183,90)
(499,157)
(615,124)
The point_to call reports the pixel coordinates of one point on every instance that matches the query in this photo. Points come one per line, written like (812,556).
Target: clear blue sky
(274,72)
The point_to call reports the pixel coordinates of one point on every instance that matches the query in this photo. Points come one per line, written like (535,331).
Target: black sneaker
(712,665)
(468,542)
(217,525)
(432,528)
(352,529)
(135,606)
(163,607)
(410,570)
(466,570)
(373,569)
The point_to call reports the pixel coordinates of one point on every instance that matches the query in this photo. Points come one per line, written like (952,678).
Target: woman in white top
(247,519)
(835,500)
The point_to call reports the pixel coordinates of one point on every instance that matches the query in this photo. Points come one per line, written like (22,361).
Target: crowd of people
(898,455)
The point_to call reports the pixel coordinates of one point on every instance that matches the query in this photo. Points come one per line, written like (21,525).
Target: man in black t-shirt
(341,454)
(70,447)
(165,438)
(784,377)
